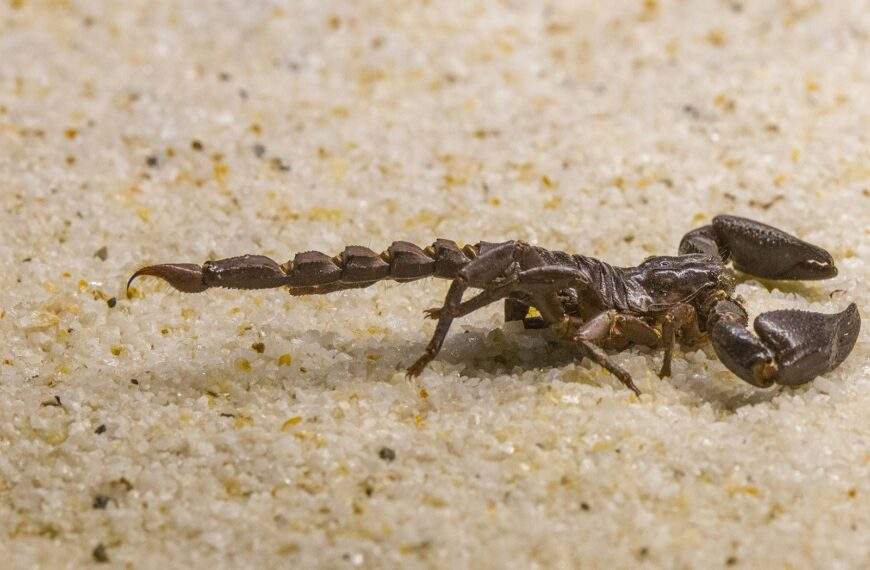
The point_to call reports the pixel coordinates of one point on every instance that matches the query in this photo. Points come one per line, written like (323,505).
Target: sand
(254,429)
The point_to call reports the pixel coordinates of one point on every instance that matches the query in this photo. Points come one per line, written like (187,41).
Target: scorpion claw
(792,347)
(186,277)
(808,344)
(769,252)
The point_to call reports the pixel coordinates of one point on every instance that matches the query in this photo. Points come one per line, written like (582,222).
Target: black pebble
(387,454)
(99,554)
(100,502)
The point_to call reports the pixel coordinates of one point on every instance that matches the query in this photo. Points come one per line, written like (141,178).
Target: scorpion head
(669,280)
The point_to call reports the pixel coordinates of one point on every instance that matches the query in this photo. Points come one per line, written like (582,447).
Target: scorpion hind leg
(791,347)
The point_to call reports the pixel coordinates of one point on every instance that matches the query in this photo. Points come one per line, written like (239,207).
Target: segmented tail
(316,273)
(313,272)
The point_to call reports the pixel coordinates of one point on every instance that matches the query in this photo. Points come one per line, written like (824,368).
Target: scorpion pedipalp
(789,347)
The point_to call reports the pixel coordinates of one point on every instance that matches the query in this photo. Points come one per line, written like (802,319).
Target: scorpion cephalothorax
(688,297)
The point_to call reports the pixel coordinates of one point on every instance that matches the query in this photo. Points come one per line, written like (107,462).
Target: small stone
(102,254)
(151,161)
(99,554)
(100,429)
(112,302)
(387,454)
(258,347)
(279,165)
(100,502)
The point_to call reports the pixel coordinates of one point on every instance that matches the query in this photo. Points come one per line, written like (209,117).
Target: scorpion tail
(244,272)
(313,272)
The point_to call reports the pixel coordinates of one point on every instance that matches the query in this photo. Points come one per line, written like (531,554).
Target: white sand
(601,129)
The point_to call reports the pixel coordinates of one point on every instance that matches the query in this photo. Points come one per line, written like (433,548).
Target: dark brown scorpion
(688,297)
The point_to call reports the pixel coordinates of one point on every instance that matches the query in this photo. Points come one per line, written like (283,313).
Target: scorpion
(599,308)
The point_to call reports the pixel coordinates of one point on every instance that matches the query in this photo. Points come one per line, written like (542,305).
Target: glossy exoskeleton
(599,307)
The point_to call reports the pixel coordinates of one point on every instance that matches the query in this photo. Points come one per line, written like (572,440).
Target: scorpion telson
(598,307)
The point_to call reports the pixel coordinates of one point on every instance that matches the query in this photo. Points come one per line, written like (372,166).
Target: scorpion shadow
(478,352)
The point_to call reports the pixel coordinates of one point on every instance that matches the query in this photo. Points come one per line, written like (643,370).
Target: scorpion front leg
(605,326)
(791,347)
(683,318)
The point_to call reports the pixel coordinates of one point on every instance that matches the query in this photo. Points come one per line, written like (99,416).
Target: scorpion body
(596,306)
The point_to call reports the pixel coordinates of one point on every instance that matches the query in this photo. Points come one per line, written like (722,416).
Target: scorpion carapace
(597,307)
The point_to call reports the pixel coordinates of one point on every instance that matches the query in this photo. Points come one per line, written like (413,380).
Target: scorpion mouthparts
(186,277)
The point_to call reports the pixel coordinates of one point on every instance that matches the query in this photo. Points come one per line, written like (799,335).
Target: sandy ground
(253,429)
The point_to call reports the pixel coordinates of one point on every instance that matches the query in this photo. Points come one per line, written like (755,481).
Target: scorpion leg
(538,283)
(759,250)
(597,330)
(451,303)
(497,272)
(479,301)
(682,317)
(597,355)
(539,287)
(493,271)
(791,347)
